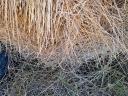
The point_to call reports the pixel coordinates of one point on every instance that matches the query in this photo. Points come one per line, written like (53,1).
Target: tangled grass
(45,26)
(65,47)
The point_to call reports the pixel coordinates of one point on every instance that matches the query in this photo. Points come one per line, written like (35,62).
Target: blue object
(3,64)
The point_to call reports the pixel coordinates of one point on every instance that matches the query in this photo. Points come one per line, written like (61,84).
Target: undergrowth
(64,47)
(33,77)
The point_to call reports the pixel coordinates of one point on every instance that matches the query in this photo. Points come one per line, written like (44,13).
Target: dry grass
(45,26)
(65,47)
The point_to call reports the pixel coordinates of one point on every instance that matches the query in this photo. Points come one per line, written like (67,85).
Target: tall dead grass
(66,27)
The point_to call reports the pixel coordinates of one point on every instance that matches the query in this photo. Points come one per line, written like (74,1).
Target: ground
(31,77)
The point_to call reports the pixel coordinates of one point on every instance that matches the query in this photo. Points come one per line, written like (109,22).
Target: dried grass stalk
(44,26)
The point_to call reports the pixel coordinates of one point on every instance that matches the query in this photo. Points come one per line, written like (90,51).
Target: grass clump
(73,27)
(64,47)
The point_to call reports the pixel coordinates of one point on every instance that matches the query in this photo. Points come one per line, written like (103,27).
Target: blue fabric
(3,64)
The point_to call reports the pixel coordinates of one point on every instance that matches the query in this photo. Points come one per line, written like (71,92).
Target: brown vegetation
(43,26)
